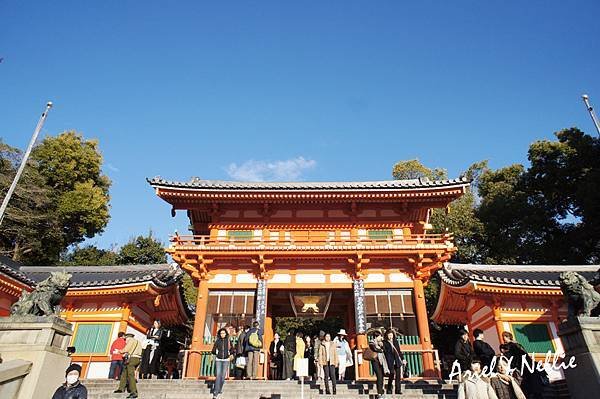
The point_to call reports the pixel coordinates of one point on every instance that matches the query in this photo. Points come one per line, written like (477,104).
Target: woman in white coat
(474,385)
(344,354)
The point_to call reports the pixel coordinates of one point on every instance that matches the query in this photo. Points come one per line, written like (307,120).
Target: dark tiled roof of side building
(13,269)
(542,276)
(211,185)
(97,276)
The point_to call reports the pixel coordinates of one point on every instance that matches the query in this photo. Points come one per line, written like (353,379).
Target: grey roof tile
(546,276)
(200,184)
(96,276)
(13,269)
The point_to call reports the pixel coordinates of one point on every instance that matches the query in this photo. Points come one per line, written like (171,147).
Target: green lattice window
(92,338)
(241,235)
(380,234)
(534,337)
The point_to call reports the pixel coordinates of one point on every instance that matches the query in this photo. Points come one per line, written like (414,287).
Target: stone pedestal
(43,342)
(581,338)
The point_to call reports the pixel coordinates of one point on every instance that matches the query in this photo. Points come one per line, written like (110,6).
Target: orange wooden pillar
(126,312)
(195,357)
(498,319)
(429,369)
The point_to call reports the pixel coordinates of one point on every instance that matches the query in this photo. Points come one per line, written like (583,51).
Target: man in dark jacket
(482,349)
(240,369)
(72,388)
(395,361)
(463,351)
(289,346)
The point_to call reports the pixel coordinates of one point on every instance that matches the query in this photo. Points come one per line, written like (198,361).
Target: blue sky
(300,90)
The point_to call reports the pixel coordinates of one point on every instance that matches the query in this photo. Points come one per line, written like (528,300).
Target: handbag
(240,362)
(369,354)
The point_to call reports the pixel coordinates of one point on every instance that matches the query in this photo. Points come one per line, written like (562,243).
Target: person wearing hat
(463,352)
(132,358)
(344,354)
(72,388)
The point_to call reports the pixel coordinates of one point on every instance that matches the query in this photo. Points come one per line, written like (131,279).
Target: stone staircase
(194,389)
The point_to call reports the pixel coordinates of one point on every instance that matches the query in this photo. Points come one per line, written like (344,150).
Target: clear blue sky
(292,89)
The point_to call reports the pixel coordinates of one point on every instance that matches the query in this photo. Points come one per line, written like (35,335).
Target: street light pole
(590,109)
(12,187)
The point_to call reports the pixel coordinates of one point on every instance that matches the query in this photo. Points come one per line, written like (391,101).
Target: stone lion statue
(44,300)
(580,294)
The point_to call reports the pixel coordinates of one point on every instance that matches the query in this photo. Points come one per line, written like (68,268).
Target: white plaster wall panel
(115,332)
(375,278)
(140,336)
(340,278)
(558,346)
(281,278)
(400,278)
(98,370)
(221,278)
(310,278)
(245,278)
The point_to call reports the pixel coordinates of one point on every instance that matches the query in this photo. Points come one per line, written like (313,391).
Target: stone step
(294,395)
(244,389)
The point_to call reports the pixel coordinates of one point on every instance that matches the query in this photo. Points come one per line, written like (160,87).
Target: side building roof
(162,275)
(461,281)
(13,269)
(541,276)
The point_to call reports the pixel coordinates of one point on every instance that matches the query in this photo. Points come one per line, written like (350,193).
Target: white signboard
(301,366)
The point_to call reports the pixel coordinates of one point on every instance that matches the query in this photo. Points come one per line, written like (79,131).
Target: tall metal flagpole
(12,187)
(590,109)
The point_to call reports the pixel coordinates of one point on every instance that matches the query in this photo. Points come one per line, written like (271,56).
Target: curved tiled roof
(13,269)
(540,276)
(211,185)
(162,275)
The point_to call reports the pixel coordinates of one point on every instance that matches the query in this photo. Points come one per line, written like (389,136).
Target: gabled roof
(162,275)
(527,276)
(217,185)
(13,269)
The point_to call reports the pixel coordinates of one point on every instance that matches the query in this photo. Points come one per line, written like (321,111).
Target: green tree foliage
(414,169)
(547,213)
(190,291)
(89,255)
(142,250)
(61,199)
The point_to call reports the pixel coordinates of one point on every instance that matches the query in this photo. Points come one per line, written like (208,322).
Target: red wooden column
(194,359)
(429,369)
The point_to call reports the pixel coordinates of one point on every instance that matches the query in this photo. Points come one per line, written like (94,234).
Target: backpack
(254,340)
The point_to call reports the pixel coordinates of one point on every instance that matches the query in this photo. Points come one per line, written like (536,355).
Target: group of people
(127,353)
(327,358)
(386,359)
(245,352)
(503,385)
(150,363)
